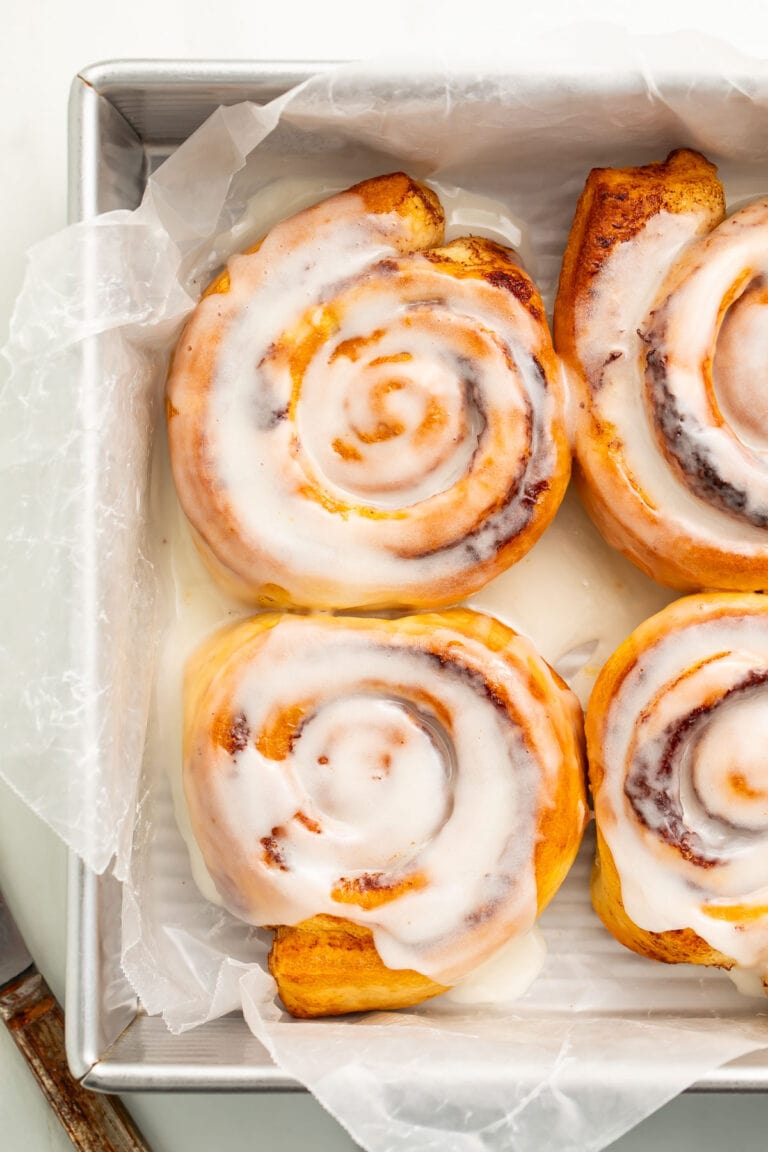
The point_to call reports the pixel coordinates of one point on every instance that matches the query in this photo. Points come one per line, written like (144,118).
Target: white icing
(574,596)
(739,371)
(195,608)
(505,976)
(702,660)
(749,983)
(617,318)
(350,403)
(471,214)
(382,787)
(429,442)
(466,214)
(345,768)
(685,328)
(735,745)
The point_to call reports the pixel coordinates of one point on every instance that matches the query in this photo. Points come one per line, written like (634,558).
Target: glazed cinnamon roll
(360,415)
(677,731)
(661,319)
(396,798)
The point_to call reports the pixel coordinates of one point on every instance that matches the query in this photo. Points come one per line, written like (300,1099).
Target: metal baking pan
(125,118)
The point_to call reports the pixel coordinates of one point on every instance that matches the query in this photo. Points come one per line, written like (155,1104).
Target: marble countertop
(44,44)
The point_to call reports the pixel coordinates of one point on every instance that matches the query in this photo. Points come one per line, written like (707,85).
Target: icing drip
(505,976)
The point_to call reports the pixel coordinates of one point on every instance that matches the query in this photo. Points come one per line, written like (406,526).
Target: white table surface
(44,43)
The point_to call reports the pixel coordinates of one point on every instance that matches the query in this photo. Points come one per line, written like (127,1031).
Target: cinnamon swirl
(397,798)
(661,319)
(677,730)
(362,416)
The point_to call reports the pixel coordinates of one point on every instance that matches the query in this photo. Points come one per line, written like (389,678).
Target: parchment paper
(603,1037)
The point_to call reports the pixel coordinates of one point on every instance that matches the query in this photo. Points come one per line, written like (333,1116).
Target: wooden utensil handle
(94,1122)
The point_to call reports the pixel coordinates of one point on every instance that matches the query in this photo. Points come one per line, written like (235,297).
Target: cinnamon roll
(396,798)
(677,731)
(362,416)
(661,319)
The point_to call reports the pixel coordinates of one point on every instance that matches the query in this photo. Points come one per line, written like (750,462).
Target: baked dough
(397,798)
(677,728)
(661,320)
(360,415)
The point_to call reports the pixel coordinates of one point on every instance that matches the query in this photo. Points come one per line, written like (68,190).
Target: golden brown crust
(329,967)
(690,567)
(615,205)
(682,946)
(398,192)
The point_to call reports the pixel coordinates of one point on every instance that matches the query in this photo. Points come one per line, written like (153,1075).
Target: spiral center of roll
(729,762)
(379,770)
(740,365)
(390,419)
